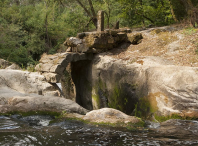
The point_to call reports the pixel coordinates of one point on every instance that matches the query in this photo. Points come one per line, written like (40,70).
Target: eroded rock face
(25,82)
(19,93)
(147,85)
(109,115)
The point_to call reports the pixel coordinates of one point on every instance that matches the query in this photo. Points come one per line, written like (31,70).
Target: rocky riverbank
(123,78)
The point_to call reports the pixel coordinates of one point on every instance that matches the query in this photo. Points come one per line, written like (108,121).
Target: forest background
(29,28)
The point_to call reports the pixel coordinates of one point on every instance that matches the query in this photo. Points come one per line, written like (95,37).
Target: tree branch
(92,8)
(88,13)
(145,17)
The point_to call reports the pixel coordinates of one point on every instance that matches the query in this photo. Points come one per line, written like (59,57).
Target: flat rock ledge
(38,103)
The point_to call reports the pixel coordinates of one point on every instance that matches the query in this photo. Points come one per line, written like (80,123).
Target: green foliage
(30,28)
(164,118)
(30,113)
(189,31)
(142,108)
(115,99)
(173,116)
(145,12)
(118,99)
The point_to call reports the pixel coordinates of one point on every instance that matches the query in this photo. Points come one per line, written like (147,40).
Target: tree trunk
(46,31)
(172,11)
(192,11)
(141,4)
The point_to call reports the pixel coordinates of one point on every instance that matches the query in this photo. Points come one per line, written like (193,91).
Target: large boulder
(25,82)
(16,103)
(19,93)
(144,86)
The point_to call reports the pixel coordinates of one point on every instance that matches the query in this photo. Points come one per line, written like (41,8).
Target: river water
(37,130)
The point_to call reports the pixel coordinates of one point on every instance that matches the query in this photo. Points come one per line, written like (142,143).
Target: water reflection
(35,130)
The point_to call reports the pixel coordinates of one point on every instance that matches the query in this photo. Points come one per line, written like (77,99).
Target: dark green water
(36,130)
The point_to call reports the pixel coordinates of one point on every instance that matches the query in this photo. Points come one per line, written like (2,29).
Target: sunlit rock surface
(19,93)
(147,85)
(109,115)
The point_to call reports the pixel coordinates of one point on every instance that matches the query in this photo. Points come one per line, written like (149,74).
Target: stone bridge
(83,46)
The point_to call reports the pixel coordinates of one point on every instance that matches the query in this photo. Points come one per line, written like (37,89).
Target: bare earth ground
(176,43)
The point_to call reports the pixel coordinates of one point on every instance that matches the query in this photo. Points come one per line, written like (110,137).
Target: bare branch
(88,13)
(92,8)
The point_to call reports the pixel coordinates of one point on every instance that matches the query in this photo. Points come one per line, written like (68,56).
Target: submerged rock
(178,128)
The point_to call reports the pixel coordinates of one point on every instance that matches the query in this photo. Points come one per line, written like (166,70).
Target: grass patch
(173,116)
(30,113)
(165,38)
(189,31)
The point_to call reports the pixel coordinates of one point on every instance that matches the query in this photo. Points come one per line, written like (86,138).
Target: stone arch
(52,67)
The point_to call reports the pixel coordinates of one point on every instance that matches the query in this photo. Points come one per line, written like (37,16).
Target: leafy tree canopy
(28,28)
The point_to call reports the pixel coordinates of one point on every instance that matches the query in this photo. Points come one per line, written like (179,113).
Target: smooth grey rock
(109,115)
(36,103)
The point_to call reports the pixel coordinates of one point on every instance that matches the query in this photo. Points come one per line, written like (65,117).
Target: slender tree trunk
(172,11)
(46,31)
(141,4)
